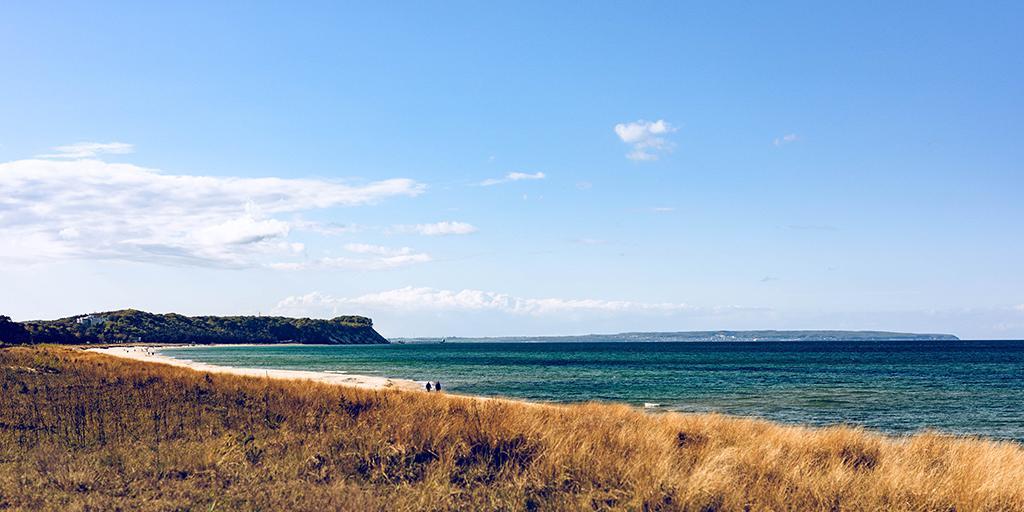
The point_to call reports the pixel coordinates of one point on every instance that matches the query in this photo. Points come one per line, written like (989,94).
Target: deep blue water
(963,387)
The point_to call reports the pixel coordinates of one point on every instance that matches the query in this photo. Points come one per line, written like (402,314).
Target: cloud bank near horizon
(425,299)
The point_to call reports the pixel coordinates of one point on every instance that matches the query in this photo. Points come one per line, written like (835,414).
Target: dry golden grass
(82,431)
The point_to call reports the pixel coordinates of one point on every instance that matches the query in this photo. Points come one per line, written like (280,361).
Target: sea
(902,387)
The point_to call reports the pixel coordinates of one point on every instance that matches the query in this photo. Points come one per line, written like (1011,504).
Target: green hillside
(131,325)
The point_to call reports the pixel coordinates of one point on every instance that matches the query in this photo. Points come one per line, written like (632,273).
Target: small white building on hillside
(90,320)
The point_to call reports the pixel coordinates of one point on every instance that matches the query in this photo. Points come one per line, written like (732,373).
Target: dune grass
(84,431)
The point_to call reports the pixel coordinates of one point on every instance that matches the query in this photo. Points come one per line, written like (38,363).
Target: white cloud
(429,299)
(1019,307)
(325,228)
(646,138)
(244,230)
(513,176)
(786,139)
(369,257)
(663,209)
(516,176)
(91,209)
(89,149)
(377,250)
(436,229)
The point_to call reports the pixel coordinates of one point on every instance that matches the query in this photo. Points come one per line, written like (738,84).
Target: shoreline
(146,354)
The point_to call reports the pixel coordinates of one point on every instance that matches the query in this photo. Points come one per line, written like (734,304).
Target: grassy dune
(82,431)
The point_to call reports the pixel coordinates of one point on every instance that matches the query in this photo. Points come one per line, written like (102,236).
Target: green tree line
(131,325)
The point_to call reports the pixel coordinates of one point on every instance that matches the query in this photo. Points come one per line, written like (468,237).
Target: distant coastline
(703,336)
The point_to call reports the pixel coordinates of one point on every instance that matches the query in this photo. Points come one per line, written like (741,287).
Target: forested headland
(133,326)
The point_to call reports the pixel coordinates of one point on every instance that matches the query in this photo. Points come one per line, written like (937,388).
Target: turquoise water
(963,387)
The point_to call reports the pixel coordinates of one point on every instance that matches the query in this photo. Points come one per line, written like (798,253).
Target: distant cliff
(131,325)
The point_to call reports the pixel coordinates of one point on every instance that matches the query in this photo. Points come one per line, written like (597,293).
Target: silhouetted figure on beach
(437,386)
(428,387)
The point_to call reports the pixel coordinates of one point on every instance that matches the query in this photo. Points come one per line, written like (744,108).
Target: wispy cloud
(364,257)
(90,209)
(436,229)
(789,138)
(326,228)
(512,176)
(89,150)
(663,209)
(646,138)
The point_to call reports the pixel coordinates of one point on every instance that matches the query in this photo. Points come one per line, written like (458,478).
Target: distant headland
(133,326)
(698,336)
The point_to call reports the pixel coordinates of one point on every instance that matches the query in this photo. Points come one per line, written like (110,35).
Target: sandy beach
(149,354)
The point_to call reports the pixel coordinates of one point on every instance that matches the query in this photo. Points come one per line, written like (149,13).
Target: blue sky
(518,168)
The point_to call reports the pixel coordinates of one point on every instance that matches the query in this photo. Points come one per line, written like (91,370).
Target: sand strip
(150,355)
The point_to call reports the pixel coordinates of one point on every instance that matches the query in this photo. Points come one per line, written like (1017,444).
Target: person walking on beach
(428,386)
(437,386)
